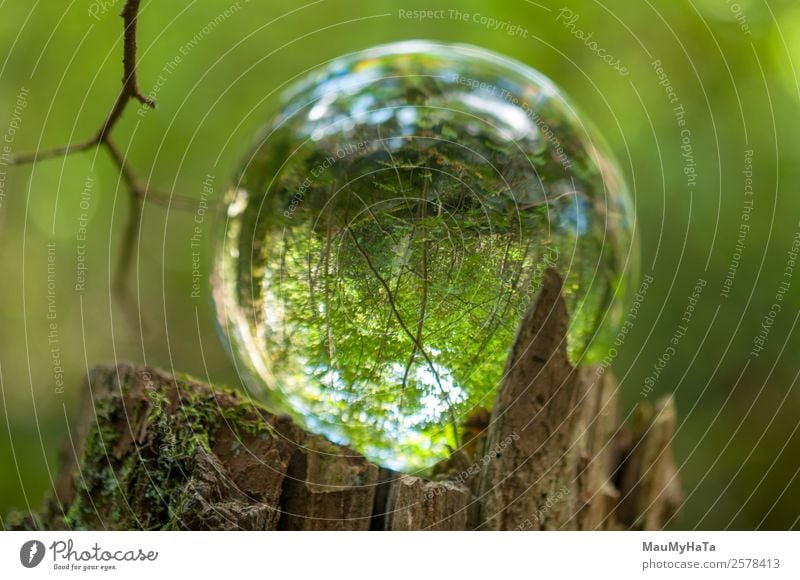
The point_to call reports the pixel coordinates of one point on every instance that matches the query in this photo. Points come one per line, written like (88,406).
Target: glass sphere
(389,229)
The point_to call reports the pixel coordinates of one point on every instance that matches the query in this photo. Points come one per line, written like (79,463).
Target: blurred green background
(214,67)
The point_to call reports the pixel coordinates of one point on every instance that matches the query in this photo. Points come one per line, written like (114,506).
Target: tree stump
(156,451)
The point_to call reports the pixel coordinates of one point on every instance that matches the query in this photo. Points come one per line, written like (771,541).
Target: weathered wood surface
(152,451)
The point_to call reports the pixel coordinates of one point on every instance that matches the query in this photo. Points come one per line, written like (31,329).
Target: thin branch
(139,189)
(130,84)
(129,91)
(55,152)
(127,252)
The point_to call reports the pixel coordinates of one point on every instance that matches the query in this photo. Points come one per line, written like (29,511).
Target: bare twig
(130,91)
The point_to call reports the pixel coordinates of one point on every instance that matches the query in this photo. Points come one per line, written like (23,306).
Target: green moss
(17,520)
(147,483)
(244,421)
(97,471)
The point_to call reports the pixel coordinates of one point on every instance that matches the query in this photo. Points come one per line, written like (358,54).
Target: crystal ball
(391,225)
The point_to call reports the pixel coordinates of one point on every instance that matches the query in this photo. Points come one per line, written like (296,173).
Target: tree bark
(155,451)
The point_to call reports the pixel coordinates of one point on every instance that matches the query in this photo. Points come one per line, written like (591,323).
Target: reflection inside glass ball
(393,223)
